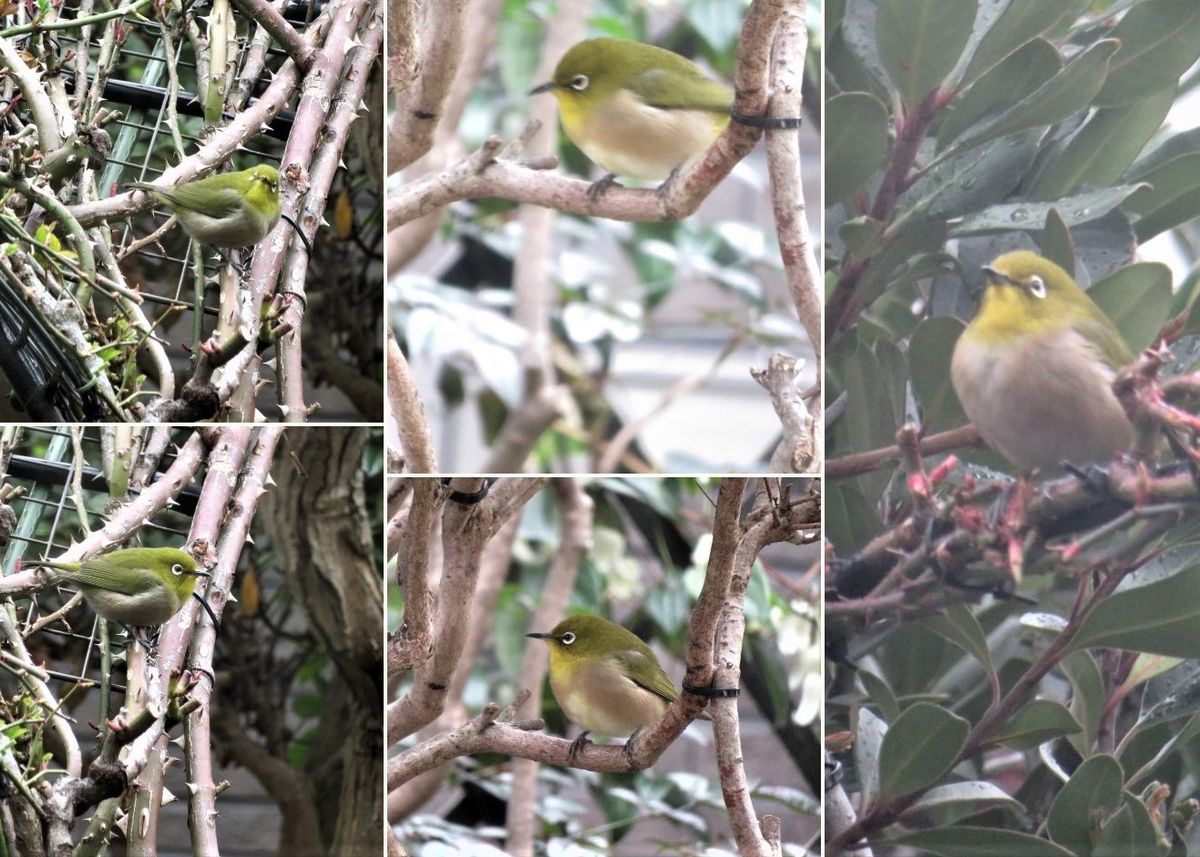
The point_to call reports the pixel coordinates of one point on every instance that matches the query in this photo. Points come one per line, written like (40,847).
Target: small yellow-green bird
(135,586)
(225,210)
(637,110)
(605,678)
(1034,369)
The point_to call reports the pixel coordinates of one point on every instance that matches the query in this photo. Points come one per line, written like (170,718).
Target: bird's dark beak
(541,636)
(201,574)
(994,276)
(537,90)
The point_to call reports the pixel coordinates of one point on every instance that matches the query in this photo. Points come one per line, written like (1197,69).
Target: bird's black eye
(579,83)
(1037,286)
(177,569)
(567,638)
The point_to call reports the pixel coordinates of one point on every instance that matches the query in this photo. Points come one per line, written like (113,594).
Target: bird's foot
(627,749)
(577,746)
(598,188)
(1093,477)
(664,189)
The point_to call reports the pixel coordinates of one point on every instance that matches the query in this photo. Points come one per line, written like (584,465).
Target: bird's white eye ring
(580,82)
(177,569)
(1037,286)
(567,638)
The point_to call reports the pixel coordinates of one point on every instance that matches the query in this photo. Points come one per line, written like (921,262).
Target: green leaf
(850,518)
(1021,21)
(1068,92)
(951,802)
(920,42)
(919,748)
(1158,617)
(868,741)
(1081,208)
(1088,696)
(869,401)
(1138,300)
(964,841)
(1159,39)
(1180,209)
(1130,831)
(929,354)
(1101,150)
(856,140)
(860,235)
(1036,722)
(1093,789)
(1057,245)
(858,33)
(912,240)
(971,181)
(880,694)
(959,625)
(1022,73)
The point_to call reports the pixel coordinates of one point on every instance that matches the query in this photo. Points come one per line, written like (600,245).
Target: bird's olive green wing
(644,671)
(662,88)
(211,200)
(102,572)
(1102,333)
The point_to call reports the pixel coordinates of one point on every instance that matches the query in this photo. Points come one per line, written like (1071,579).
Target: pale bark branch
(407,411)
(575,511)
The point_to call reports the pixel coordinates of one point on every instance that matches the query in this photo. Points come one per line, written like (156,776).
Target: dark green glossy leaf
(913,240)
(919,748)
(1023,72)
(929,354)
(964,841)
(850,519)
(1036,722)
(1088,696)
(1101,150)
(1074,210)
(1130,831)
(1093,789)
(859,235)
(1160,617)
(1138,300)
(1160,39)
(1180,209)
(971,181)
(1021,21)
(958,625)
(856,139)
(858,34)
(1057,245)
(1068,92)
(880,694)
(920,41)
(951,802)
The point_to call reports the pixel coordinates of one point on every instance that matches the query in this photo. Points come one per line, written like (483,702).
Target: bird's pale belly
(1043,402)
(607,703)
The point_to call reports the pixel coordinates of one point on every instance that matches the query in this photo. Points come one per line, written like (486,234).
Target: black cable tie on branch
(771,123)
(465,498)
(712,692)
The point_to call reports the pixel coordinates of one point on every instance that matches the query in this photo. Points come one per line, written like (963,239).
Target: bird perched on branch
(1034,368)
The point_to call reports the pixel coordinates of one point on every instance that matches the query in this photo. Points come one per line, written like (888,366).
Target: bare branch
(406,409)
(575,509)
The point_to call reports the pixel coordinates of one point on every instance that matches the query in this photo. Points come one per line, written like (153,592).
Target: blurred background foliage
(652,538)
(636,306)
(1068,128)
